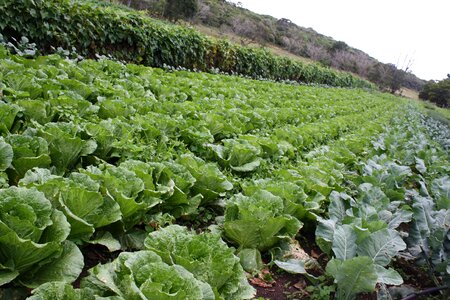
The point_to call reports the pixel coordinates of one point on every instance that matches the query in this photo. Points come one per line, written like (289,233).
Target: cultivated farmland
(186,185)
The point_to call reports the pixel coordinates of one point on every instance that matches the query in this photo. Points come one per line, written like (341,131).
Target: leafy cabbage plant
(132,275)
(29,152)
(258,221)
(363,238)
(33,246)
(210,182)
(206,256)
(143,275)
(79,198)
(6,155)
(238,155)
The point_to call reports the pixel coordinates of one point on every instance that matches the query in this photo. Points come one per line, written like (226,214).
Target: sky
(392,31)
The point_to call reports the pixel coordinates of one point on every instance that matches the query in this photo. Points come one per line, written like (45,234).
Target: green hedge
(94,27)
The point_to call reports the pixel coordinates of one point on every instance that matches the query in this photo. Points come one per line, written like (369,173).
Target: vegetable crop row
(92,27)
(98,152)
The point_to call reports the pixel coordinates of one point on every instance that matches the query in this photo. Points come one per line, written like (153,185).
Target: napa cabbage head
(258,221)
(143,275)
(206,256)
(33,246)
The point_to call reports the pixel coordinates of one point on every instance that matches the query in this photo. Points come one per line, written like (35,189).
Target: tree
(437,92)
(180,9)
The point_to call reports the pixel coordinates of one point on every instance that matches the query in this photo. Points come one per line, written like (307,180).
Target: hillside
(228,19)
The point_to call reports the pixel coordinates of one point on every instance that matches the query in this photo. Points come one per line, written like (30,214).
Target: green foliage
(95,28)
(437,92)
(352,276)
(33,242)
(206,256)
(258,221)
(180,9)
(125,149)
(143,275)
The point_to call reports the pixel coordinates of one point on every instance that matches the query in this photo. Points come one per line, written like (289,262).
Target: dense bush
(437,92)
(94,27)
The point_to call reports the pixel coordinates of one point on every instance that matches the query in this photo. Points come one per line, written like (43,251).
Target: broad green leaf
(344,242)
(66,267)
(381,246)
(325,233)
(6,155)
(353,276)
(250,260)
(388,276)
(293,266)
(55,290)
(440,188)
(8,114)
(400,216)
(7,275)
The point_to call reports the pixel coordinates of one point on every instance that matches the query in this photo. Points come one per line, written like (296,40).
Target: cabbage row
(101,27)
(103,153)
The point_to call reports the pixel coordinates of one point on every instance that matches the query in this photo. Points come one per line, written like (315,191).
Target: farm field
(121,181)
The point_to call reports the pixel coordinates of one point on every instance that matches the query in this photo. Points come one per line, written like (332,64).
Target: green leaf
(7,275)
(293,266)
(8,114)
(55,290)
(388,276)
(440,188)
(67,267)
(381,246)
(205,255)
(400,216)
(250,260)
(344,242)
(325,234)
(106,239)
(353,276)
(6,155)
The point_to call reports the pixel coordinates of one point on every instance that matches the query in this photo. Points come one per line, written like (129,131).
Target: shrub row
(94,27)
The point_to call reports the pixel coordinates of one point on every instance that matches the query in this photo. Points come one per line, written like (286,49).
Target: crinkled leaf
(6,155)
(55,290)
(66,267)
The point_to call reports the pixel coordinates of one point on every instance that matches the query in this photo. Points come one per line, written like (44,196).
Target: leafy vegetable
(6,155)
(29,152)
(258,221)
(206,256)
(143,275)
(33,240)
(79,198)
(353,276)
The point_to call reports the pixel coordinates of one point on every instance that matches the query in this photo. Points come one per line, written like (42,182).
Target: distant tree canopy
(387,76)
(180,9)
(437,92)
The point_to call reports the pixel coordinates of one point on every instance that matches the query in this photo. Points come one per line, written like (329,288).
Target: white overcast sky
(392,31)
